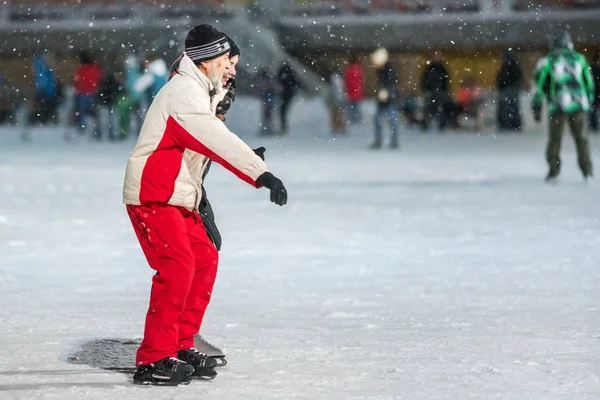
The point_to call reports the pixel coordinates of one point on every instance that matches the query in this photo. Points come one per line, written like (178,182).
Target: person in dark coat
(267,87)
(435,85)
(387,98)
(289,84)
(111,88)
(205,209)
(10,99)
(508,83)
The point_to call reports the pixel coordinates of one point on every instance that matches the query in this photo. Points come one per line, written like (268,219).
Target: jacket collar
(187,67)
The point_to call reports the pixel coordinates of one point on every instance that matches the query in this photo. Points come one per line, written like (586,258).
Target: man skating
(162,193)
(564,78)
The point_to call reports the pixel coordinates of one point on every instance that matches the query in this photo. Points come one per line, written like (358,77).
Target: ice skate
(551,179)
(552,175)
(205,347)
(204,366)
(376,145)
(169,371)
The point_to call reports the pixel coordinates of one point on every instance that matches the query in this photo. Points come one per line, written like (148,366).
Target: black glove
(278,192)
(536,109)
(225,104)
(260,151)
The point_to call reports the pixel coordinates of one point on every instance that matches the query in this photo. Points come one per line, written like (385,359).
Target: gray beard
(216,81)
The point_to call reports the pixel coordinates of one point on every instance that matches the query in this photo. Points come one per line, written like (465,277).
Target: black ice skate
(376,145)
(169,371)
(551,177)
(212,351)
(204,366)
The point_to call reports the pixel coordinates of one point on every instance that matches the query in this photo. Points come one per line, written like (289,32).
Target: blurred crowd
(119,94)
(434,103)
(110,103)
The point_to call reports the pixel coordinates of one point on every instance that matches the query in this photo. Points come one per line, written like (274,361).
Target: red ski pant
(176,245)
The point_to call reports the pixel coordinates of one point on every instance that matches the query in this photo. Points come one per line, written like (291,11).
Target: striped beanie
(205,43)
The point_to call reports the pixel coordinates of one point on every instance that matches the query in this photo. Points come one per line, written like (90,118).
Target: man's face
(217,68)
(231,73)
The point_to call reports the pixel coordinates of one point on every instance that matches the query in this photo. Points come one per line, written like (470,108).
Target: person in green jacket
(564,79)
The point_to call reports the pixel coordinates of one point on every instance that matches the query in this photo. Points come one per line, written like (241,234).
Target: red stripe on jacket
(163,165)
(161,169)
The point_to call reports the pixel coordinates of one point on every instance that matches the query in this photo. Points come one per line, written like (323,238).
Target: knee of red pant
(174,272)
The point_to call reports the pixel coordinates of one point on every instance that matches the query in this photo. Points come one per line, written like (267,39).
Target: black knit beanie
(205,43)
(234,50)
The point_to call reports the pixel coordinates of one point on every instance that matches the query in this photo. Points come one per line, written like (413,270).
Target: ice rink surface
(447,270)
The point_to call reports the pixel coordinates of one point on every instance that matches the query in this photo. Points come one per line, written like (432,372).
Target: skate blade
(204,377)
(158,383)
(221,361)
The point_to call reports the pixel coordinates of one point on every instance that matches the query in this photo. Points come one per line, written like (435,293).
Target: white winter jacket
(179,134)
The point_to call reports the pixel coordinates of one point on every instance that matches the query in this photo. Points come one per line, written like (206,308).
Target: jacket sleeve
(538,96)
(196,128)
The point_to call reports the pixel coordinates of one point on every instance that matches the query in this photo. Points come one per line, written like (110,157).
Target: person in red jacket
(354,89)
(86,82)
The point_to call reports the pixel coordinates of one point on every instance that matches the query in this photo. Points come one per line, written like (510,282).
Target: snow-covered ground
(447,270)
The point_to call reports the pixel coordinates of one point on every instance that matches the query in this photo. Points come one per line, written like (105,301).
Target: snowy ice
(446,270)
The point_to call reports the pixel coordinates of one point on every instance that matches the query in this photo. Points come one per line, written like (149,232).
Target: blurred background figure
(411,107)
(386,98)
(595,108)
(508,84)
(354,81)
(289,88)
(110,90)
(155,74)
(10,101)
(131,102)
(335,101)
(571,93)
(267,88)
(434,83)
(86,82)
(469,103)
(48,92)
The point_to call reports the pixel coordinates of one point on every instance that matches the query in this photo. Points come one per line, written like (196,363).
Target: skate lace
(176,361)
(194,357)
(196,352)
